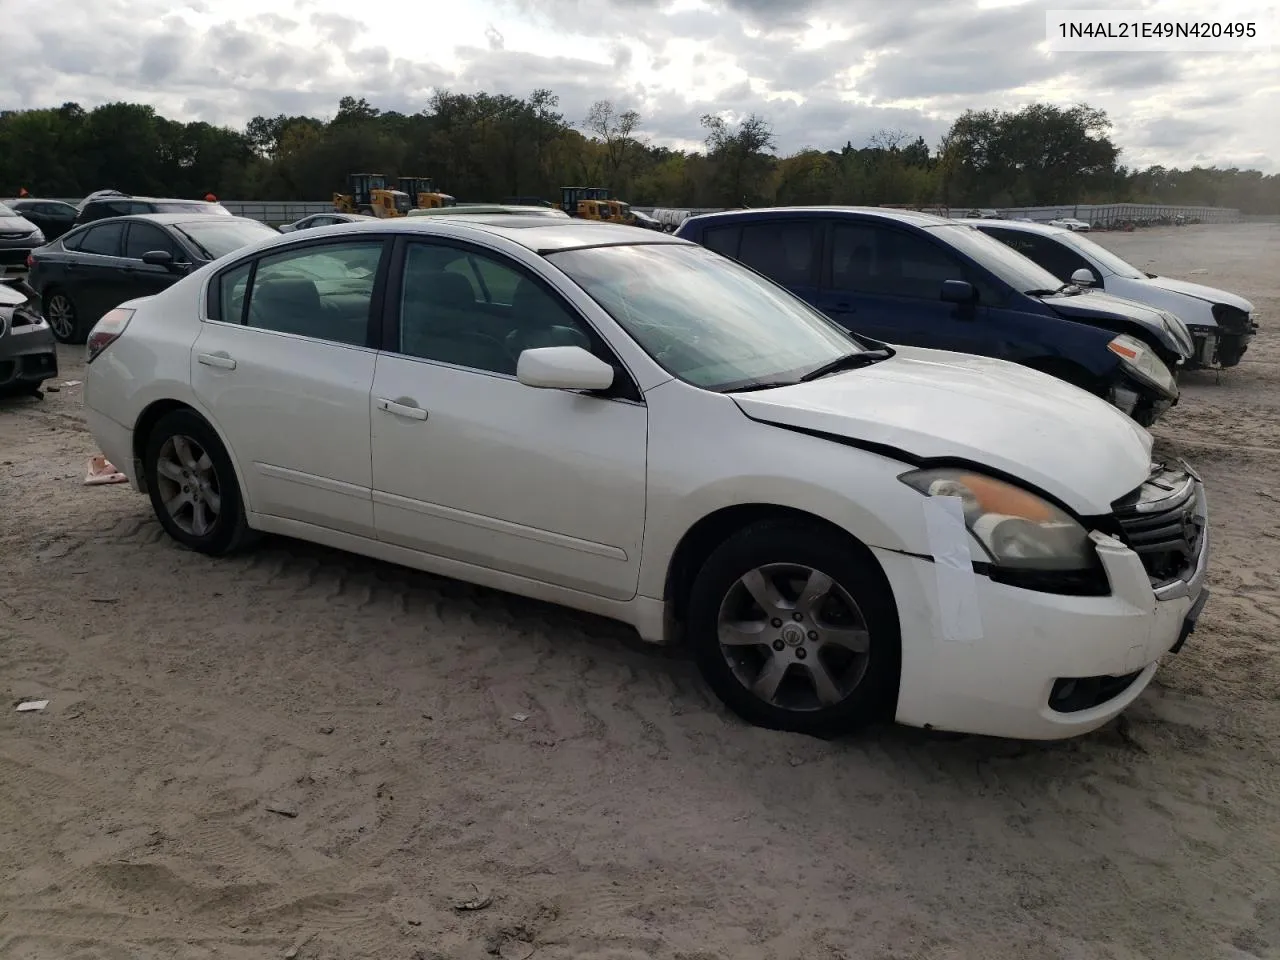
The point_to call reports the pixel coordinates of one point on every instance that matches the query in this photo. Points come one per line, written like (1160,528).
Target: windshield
(1005,262)
(1102,256)
(6,212)
(217,238)
(703,317)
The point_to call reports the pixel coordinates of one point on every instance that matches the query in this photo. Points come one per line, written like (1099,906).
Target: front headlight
(1016,529)
(1139,360)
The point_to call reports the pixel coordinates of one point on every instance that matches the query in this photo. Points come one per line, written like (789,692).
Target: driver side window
(473,310)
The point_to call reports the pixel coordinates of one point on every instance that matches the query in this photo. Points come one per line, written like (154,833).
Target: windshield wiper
(850,361)
(766,385)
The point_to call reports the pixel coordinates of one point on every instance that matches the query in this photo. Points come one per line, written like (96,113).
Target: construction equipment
(423,193)
(370,196)
(589,203)
(621,213)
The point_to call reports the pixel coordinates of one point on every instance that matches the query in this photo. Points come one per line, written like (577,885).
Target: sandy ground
(627,816)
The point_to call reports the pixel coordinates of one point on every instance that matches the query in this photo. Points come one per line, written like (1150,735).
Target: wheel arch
(146,422)
(713,529)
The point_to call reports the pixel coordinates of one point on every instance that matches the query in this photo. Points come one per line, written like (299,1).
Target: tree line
(489,146)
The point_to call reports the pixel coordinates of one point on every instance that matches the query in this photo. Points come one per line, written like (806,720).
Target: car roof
(539,234)
(1020,225)
(916,217)
(473,209)
(168,219)
(112,198)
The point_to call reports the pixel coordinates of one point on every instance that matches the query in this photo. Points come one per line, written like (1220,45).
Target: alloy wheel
(188,485)
(61,314)
(793,637)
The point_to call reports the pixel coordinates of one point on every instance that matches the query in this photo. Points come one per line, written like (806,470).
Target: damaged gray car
(28,351)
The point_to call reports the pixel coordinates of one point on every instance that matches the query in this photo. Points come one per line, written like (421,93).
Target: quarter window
(323,292)
(473,310)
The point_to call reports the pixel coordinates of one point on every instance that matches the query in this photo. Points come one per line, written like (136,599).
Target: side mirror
(158,258)
(958,291)
(1084,277)
(563,368)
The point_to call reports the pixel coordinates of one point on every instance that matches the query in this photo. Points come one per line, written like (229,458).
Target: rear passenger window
(323,292)
(105,240)
(781,250)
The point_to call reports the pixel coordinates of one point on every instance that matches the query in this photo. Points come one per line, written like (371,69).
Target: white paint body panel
(1192,302)
(539,483)
(583,501)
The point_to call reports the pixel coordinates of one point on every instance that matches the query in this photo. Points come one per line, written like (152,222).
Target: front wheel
(193,486)
(794,627)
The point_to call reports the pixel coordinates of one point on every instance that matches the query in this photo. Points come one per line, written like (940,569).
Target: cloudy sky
(822,71)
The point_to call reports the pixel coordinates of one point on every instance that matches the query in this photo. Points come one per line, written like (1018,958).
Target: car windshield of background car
(1100,254)
(217,238)
(705,318)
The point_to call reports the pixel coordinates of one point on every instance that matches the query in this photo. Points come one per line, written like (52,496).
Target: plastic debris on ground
(28,705)
(101,470)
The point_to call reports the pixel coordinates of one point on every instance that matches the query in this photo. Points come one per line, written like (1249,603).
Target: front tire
(193,486)
(794,628)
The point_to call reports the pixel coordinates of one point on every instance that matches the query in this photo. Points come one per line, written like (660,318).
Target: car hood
(18,224)
(11,297)
(1171,331)
(935,404)
(1201,292)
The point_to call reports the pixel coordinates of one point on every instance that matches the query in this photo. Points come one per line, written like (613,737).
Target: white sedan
(1070,223)
(629,424)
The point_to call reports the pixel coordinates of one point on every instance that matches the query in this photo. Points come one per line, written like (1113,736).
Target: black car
(123,205)
(53,217)
(96,267)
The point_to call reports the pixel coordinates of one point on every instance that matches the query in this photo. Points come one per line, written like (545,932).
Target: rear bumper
(115,441)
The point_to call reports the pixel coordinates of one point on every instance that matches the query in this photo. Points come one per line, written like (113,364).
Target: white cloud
(823,71)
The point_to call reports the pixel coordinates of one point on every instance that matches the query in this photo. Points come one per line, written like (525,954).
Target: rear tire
(795,628)
(64,317)
(193,486)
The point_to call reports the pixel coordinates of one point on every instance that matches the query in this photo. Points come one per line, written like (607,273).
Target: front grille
(1161,523)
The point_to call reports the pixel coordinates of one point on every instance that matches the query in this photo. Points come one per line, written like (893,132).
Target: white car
(1221,324)
(630,424)
(323,220)
(1070,223)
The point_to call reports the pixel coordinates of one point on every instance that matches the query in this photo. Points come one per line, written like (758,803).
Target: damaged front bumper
(1141,401)
(1223,343)
(28,350)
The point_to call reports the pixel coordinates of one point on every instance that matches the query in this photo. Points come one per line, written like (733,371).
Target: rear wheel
(63,316)
(795,628)
(193,486)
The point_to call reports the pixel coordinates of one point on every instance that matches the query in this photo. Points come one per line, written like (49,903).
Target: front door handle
(220,360)
(403,407)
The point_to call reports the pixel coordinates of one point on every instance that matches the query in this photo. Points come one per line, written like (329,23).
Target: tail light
(31,261)
(106,332)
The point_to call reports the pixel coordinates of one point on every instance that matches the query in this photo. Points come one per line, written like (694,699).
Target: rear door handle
(404,407)
(220,360)
(843,306)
